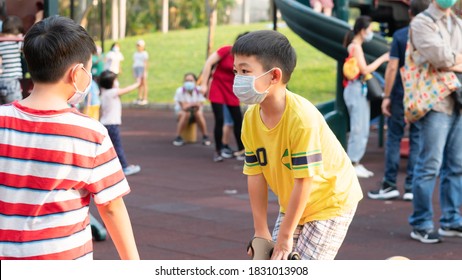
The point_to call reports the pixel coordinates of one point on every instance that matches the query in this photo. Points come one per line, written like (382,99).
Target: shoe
(131,169)
(450,231)
(408,196)
(426,236)
(362,172)
(240,155)
(227,149)
(386,191)
(178,141)
(206,141)
(142,102)
(226,154)
(217,158)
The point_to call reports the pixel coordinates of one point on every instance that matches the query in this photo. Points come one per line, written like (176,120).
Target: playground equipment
(326,34)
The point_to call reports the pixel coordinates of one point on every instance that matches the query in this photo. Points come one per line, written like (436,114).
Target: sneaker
(426,236)
(408,196)
(143,102)
(361,172)
(226,154)
(370,173)
(240,155)
(217,158)
(227,149)
(451,231)
(178,141)
(386,191)
(206,141)
(131,169)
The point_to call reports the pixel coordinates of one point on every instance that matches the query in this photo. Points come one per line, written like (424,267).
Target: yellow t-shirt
(301,145)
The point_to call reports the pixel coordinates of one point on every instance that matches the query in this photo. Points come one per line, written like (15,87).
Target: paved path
(185,206)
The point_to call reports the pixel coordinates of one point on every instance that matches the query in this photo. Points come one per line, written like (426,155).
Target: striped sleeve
(306,155)
(107,180)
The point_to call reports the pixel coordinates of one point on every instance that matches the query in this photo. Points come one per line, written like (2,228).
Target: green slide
(326,34)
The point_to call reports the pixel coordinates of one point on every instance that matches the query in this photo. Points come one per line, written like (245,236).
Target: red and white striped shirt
(51,163)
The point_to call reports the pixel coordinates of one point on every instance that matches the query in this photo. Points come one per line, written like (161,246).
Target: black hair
(240,35)
(270,48)
(362,22)
(113,45)
(190,74)
(54,44)
(12,25)
(106,79)
(418,6)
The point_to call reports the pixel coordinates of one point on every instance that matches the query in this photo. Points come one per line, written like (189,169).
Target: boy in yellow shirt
(290,147)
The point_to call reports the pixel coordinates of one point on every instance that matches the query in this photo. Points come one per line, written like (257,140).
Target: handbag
(424,85)
(351,68)
(374,89)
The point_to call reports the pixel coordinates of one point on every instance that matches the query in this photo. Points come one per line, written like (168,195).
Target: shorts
(319,240)
(228,119)
(10,90)
(324,3)
(139,72)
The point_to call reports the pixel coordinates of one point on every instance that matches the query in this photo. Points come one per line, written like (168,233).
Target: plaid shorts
(319,240)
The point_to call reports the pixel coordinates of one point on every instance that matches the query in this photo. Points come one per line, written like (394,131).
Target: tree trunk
(165,12)
(115,20)
(123,19)
(211,8)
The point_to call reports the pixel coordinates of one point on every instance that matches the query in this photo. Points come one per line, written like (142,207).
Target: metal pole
(275,15)
(72,9)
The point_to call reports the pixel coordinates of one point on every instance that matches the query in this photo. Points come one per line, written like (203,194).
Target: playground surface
(184,206)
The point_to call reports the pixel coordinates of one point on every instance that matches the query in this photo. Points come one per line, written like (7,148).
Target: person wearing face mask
(290,148)
(111,114)
(113,59)
(436,34)
(355,94)
(189,107)
(54,160)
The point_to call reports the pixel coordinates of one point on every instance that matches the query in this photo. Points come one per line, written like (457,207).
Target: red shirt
(221,88)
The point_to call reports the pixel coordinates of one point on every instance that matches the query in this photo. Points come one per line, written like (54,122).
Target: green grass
(178,52)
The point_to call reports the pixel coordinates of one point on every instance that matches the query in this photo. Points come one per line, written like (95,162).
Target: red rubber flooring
(184,206)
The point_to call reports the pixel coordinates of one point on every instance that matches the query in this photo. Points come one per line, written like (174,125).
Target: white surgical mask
(244,89)
(79,96)
(369,36)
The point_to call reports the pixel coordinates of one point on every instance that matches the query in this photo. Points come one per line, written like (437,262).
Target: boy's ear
(277,75)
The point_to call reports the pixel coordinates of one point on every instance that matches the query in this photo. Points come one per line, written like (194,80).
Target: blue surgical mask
(79,96)
(446,4)
(369,36)
(244,89)
(189,86)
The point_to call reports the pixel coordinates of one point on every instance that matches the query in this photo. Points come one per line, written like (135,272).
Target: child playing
(140,68)
(190,105)
(111,114)
(290,147)
(53,159)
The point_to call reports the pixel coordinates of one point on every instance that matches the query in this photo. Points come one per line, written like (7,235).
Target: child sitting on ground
(190,103)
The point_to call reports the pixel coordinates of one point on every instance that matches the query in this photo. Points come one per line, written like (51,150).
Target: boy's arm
(297,204)
(258,195)
(117,222)
(125,90)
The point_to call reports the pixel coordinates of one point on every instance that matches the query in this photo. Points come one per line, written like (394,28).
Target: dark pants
(236,114)
(114,134)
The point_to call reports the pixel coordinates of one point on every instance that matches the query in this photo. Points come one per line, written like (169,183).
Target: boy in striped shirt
(54,159)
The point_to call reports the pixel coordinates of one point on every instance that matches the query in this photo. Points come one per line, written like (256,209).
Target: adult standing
(10,57)
(436,34)
(355,93)
(392,107)
(220,95)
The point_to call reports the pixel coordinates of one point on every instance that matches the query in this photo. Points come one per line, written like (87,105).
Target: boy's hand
(282,249)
